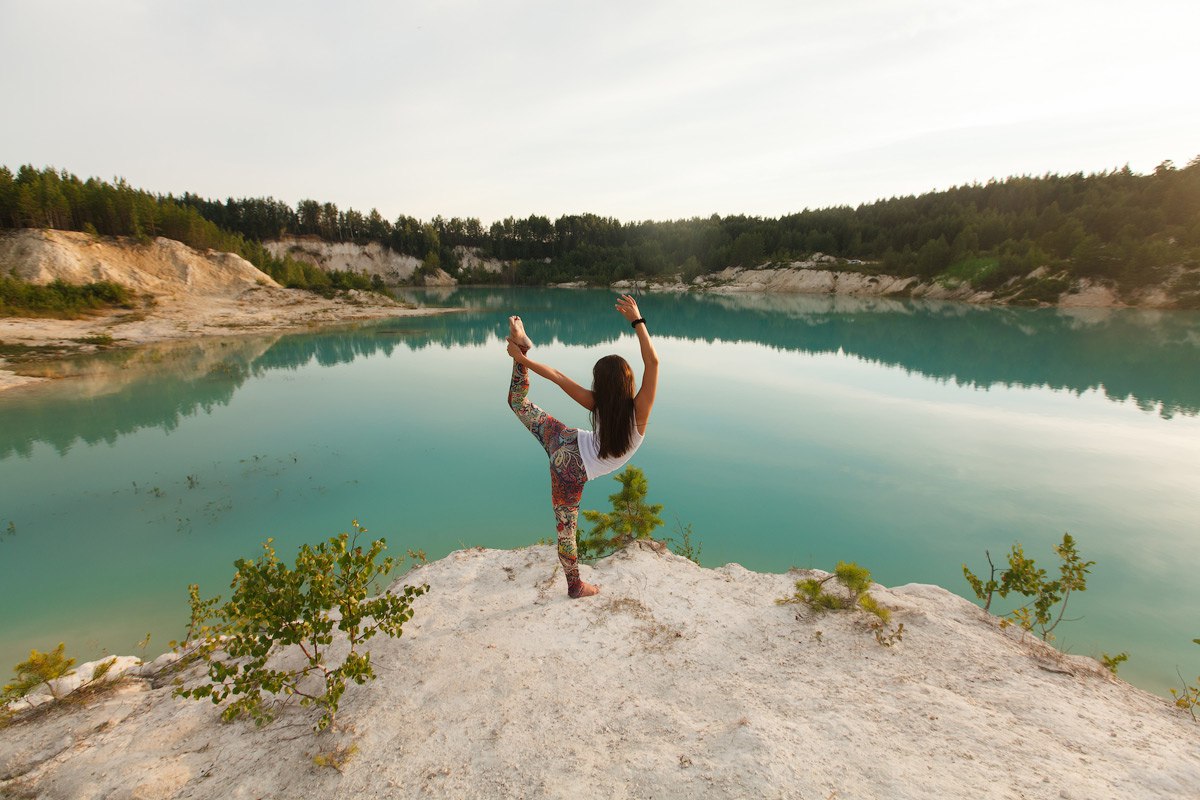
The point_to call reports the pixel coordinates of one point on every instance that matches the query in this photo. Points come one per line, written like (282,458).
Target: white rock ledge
(675,681)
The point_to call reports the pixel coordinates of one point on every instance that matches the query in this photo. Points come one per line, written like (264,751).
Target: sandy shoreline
(676,681)
(181,294)
(257,311)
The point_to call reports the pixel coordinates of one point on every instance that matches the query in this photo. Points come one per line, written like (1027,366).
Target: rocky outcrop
(708,688)
(439,277)
(469,258)
(805,281)
(371,259)
(1179,288)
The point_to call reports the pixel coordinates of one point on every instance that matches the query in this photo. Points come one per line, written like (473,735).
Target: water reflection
(803,459)
(158,385)
(1150,357)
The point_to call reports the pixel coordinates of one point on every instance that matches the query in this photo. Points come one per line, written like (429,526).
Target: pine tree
(631,518)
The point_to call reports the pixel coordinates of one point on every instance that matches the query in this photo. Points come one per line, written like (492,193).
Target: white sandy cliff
(182,293)
(676,681)
(370,259)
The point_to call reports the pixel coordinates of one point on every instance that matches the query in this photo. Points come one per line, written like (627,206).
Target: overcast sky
(639,110)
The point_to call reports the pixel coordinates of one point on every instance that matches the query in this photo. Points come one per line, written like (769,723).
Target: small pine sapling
(1113,663)
(855,578)
(631,518)
(856,583)
(811,592)
(869,604)
(40,669)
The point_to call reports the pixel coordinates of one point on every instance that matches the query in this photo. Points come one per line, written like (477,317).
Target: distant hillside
(1126,230)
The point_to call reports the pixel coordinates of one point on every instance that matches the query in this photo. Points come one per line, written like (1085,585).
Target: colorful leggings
(567,474)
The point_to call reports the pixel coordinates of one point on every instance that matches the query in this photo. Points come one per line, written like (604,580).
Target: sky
(637,110)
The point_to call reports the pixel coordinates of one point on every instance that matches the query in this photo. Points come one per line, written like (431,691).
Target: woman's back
(597,465)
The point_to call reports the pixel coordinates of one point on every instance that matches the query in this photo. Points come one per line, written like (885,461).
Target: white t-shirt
(593,464)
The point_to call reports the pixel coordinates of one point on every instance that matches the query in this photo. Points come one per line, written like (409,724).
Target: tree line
(49,198)
(1117,224)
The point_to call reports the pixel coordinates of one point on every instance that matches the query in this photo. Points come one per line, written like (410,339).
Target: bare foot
(516,334)
(586,590)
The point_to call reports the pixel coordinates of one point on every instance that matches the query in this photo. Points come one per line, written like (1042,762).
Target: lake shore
(825,276)
(182,294)
(676,681)
(254,312)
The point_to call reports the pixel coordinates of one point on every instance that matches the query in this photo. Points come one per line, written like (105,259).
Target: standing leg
(567,477)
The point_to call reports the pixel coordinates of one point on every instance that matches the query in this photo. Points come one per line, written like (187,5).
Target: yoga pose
(619,410)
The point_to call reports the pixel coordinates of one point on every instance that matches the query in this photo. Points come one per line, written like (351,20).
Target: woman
(619,415)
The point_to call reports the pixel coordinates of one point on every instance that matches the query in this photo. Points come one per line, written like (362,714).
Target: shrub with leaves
(274,608)
(631,518)
(336,758)
(40,669)
(855,582)
(1113,663)
(685,546)
(1188,698)
(1025,578)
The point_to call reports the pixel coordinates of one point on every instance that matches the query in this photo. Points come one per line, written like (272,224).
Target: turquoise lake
(789,431)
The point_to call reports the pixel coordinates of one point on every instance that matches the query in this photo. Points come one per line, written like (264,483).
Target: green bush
(685,546)
(273,608)
(855,581)
(20,298)
(974,270)
(1188,698)
(1025,578)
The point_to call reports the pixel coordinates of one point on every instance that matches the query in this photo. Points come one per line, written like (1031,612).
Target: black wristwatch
(634,324)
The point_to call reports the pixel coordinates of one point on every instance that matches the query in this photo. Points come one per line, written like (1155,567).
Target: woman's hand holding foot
(516,334)
(517,354)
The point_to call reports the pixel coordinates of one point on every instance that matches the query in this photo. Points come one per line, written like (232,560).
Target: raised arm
(576,392)
(644,401)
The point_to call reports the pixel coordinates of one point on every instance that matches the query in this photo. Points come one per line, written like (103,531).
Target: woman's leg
(567,475)
(543,426)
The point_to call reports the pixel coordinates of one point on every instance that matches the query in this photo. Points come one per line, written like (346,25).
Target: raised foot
(585,590)
(516,334)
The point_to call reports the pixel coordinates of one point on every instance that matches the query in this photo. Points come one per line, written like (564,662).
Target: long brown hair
(613,416)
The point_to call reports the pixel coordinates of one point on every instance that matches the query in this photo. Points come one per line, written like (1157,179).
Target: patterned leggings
(567,474)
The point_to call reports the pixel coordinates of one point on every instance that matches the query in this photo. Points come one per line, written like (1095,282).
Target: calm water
(909,437)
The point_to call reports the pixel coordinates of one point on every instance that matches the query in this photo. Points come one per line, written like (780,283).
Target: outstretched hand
(515,352)
(628,308)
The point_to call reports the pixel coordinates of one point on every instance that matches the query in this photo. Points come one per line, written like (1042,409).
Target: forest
(1117,225)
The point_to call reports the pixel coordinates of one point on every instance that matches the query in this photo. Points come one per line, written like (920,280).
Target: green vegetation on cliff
(58,299)
(51,199)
